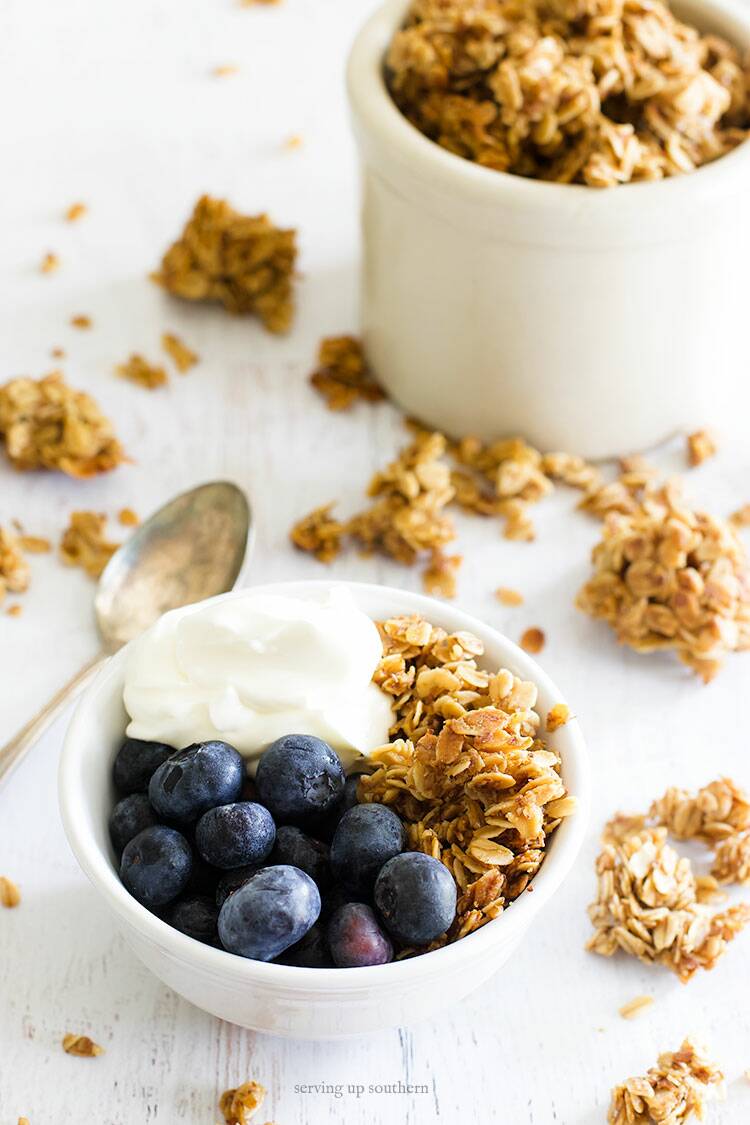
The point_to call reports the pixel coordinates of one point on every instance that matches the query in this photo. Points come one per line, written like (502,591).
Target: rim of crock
(520,914)
(375,110)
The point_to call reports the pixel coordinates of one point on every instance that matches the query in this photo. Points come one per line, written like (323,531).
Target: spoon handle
(12,752)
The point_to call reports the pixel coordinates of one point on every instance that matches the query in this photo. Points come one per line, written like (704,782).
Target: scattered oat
(128,518)
(84,543)
(14,570)
(506,596)
(532,640)
(468,772)
(80,320)
(561,90)
(35,544)
(75,212)
(182,356)
(440,576)
(138,370)
(671,1092)
(294,142)
(46,424)
(10,895)
(635,1006)
(57,353)
(14,610)
(700,446)
(225,71)
(240,1104)
(50,263)
(244,262)
(342,376)
(81,1046)
(741,518)
(668,577)
(557,716)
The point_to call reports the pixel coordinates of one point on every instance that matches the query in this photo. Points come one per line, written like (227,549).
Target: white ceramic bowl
(308,1003)
(599,321)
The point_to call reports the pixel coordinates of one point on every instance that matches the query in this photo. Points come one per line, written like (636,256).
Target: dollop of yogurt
(258,665)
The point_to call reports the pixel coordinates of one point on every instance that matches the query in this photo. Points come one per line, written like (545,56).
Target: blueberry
(231,881)
(156,864)
(300,779)
(416,897)
(355,939)
(351,786)
(129,817)
(309,855)
(273,910)
(196,779)
(235,835)
(203,878)
(310,952)
(136,763)
(194,915)
(367,836)
(335,897)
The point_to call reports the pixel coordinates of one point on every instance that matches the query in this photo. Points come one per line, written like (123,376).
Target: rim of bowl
(519,914)
(373,105)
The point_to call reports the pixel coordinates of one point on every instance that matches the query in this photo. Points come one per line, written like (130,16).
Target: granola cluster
(240,1104)
(85,544)
(244,262)
(343,376)
(14,570)
(468,772)
(669,577)
(597,92)
(649,901)
(48,425)
(669,1093)
(138,370)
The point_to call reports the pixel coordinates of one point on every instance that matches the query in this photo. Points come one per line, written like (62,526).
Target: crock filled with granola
(536,260)
(254,814)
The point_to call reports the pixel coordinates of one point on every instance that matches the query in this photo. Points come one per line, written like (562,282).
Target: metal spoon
(192,548)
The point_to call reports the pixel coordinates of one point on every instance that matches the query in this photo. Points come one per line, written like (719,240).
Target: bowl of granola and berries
(315,809)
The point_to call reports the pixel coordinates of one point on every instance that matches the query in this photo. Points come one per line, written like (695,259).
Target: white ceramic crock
(307,1003)
(599,321)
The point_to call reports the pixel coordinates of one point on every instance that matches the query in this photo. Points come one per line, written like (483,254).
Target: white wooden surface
(115,105)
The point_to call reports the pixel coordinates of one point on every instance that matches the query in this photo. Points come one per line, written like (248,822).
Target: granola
(700,446)
(50,263)
(128,518)
(507,596)
(46,424)
(717,811)
(732,859)
(138,370)
(669,577)
(557,717)
(14,570)
(671,1092)
(532,640)
(635,1007)
(244,262)
(81,320)
(594,92)
(342,376)
(468,773)
(84,543)
(10,895)
(81,1045)
(240,1104)
(440,575)
(75,212)
(181,355)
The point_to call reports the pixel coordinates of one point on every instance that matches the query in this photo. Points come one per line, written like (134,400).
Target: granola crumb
(636,1006)
(10,895)
(294,142)
(319,534)
(75,212)
(667,577)
(244,262)
(35,544)
(14,570)
(507,596)
(50,263)
(81,1046)
(671,1092)
(239,1105)
(440,576)
(557,716)
(57,353)
(14,610)
(182,356)
(732,860)
(342,376)
(84,543)
(23,1121)
(532,640)
(138,370)
(49,425)
(225,71)
(700,447)
(128,518)
(81,320)
(741,517)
